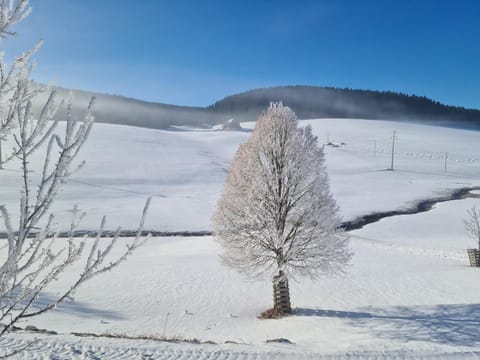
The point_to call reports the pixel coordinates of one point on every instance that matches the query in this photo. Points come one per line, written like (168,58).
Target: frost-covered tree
(472,224)
(276,215)
(31,254)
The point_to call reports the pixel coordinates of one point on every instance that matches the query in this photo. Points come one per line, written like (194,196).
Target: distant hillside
(307,101)
(319,102)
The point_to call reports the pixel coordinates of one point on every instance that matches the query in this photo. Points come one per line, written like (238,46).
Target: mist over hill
(114,109)
(308,102)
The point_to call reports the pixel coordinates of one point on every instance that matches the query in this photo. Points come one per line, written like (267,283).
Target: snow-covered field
(408,293)
(184,170)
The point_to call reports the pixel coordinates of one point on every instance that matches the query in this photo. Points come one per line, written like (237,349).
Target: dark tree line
(318,102)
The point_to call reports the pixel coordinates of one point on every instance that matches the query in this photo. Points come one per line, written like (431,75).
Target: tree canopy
(277,212)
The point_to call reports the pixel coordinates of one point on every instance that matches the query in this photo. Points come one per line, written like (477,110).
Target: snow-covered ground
(408,292)
(403,294)
(184,169)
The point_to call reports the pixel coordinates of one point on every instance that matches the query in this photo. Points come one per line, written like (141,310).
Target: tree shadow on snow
(455,324)
(76,308)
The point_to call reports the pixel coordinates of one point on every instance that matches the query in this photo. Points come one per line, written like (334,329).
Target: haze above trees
(308,102)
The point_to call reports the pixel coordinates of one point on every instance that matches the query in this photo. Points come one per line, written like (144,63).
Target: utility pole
(394,136)
(446,158)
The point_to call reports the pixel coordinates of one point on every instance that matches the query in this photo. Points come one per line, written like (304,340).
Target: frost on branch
(472,224)
(32,256)
(276,214)
(12,12)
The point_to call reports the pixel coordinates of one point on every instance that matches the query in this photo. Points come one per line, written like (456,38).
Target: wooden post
(394,136)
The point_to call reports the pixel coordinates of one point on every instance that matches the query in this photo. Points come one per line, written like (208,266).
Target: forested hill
(318,102)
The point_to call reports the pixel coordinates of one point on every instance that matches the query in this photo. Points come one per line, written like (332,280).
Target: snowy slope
(184,169)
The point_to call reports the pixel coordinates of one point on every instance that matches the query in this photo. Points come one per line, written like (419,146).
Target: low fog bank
(113,109)
(307,101)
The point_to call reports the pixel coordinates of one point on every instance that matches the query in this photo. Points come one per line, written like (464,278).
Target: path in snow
(49,347)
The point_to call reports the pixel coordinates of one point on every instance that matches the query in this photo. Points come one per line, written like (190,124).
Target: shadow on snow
(76,308)
(455,324)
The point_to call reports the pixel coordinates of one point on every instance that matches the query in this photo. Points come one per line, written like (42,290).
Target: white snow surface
(184,169)
(407,294)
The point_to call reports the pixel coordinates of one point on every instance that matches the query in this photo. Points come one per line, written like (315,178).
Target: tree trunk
(281,294)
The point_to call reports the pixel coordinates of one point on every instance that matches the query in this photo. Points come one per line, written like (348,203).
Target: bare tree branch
(31,258)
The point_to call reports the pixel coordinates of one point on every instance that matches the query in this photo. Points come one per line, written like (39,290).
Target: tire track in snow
(59,347)
(445,254)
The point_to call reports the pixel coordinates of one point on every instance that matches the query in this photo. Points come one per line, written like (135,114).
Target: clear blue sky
(195,52)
